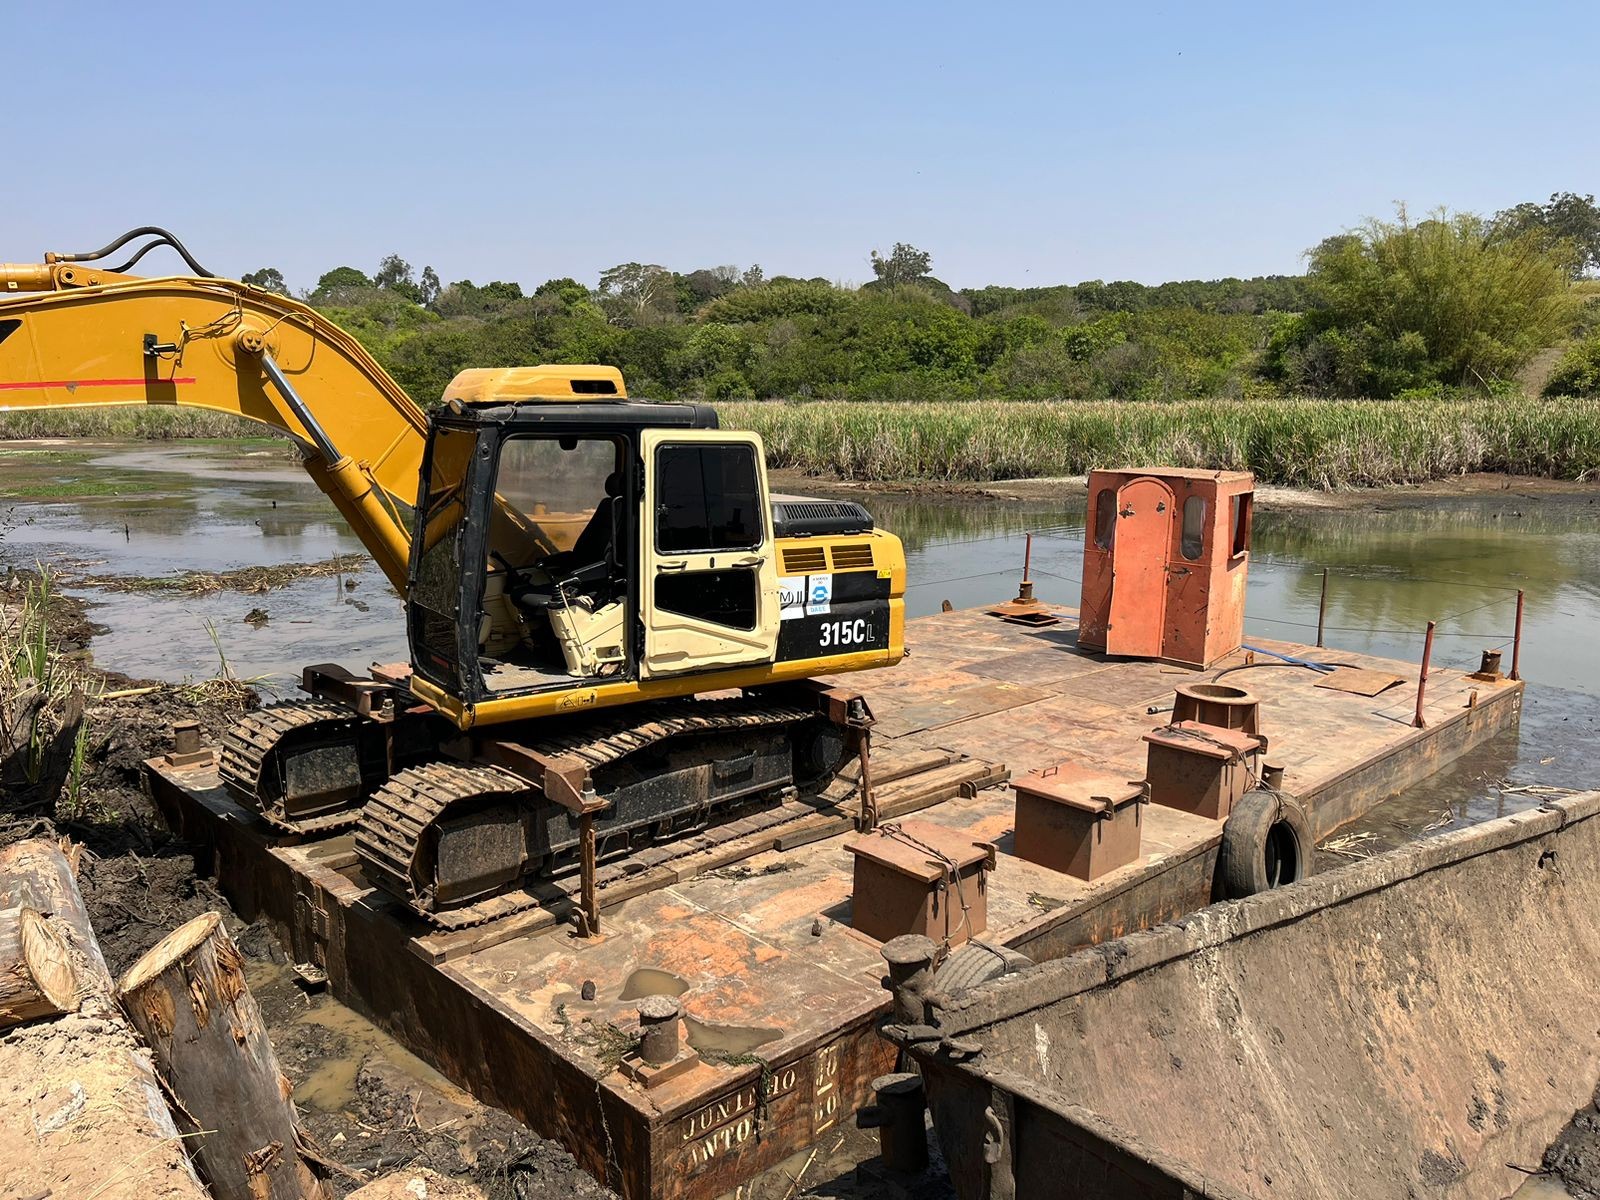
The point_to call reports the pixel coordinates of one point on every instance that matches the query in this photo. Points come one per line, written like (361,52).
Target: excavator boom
(72,336)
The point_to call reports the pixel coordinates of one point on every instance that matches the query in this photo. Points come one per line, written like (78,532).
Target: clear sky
(1020,144)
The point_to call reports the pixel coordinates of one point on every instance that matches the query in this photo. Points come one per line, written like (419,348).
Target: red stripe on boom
(31,385)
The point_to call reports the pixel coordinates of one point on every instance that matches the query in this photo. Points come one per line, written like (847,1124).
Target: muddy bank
(1574,1157)
(370,1106)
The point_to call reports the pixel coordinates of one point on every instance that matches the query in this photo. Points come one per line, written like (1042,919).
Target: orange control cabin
(1165,557)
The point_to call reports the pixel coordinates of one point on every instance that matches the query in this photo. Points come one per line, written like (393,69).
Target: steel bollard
(910,957)
(897,1116)
(658,1030)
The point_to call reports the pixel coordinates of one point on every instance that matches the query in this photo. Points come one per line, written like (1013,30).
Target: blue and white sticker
(804,596)
(819,595)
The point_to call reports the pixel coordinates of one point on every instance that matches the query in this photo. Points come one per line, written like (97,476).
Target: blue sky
(1020,144)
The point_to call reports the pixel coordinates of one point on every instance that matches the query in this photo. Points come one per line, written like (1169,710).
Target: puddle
(330,1084)
(728,1039)
(647,981)
(1541,1187)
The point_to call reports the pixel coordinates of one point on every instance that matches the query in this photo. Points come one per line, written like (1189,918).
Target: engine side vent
(805,560)
(793,516)
(852,558)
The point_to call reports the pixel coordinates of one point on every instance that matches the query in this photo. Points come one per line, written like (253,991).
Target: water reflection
(1394,564)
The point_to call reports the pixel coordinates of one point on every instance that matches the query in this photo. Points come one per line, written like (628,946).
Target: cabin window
(1241,525)
(1193,541)
(1105,518)
(437,566)
(724,597)
(708,497)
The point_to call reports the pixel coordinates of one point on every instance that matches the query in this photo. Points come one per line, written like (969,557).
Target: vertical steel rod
(1027,558)
(1422,678)
(869,802)
(1516,642)
(1322,607)
(590,898)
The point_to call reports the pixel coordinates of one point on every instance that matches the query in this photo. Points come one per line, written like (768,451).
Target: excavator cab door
(708,571)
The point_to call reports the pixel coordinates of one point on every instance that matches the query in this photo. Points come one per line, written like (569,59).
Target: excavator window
(710,499)
(434,602)
(553,603)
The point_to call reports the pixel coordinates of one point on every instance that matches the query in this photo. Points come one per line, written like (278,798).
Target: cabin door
(1139,569)
(709,574)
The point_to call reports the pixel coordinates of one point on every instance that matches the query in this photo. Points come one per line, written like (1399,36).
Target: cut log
(189,999)
(81,1113)
(37,978)
(38,874)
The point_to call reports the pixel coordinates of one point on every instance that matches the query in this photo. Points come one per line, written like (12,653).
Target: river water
(149,510)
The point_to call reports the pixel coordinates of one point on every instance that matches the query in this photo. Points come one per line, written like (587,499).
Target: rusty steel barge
(742,938)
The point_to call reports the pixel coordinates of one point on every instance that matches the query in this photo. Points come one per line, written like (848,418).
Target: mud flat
(1421,1024)
(752,933)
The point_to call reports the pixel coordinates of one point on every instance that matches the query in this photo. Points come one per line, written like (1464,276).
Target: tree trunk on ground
(36,974)
(38,874)
(189,999)
(81,1113)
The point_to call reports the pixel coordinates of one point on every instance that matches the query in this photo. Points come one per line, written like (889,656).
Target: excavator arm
(73,335)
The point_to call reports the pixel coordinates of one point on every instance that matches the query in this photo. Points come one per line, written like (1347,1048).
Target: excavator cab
(568,545)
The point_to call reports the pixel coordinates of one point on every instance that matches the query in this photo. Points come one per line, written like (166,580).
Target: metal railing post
(1322,607)
(1422,677)
(1516,642)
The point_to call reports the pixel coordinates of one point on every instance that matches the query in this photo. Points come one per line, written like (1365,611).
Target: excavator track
(391,833)
(248,746)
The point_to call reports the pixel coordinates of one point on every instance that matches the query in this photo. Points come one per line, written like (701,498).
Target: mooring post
(1516,642)
(1322,607)
(897,1116)
(910,957)
(658,1029)
(1422,677)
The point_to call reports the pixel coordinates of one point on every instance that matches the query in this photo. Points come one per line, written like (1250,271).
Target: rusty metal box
(1198,768)
(1078,821)
(918,877)
(1165,558)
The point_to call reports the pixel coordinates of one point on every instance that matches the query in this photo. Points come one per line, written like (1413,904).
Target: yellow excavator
(614,628)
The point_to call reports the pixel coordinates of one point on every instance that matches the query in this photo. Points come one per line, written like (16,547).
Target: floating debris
(250,580)
(1350,845)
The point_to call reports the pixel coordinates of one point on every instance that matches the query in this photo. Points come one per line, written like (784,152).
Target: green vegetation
(61,489)
(42,697)
(1577,373)
(1372,367)
(126,422)
(1303,442)
(1446,302)
(1451,304)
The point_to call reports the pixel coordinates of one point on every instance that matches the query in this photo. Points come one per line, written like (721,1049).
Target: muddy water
(1394,563)
(152,510)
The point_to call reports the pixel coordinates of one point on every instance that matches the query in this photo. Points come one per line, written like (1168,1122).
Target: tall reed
(1299,442)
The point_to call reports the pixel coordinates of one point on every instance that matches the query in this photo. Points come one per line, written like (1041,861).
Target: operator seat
(594,543)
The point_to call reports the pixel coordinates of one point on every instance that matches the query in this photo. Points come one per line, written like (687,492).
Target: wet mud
(369,1106)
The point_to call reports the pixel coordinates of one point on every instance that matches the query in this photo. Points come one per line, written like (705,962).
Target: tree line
(1448,303)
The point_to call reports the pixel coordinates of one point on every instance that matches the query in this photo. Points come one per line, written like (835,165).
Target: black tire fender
(977,962)
(1266,843)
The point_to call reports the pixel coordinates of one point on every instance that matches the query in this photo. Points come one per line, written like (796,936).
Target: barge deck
(749,926)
